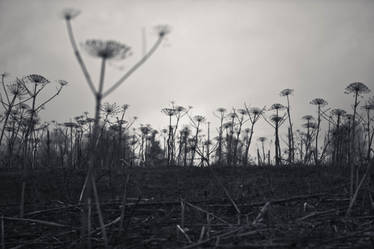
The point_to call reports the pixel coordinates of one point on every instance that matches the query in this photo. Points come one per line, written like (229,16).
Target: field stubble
(242,207)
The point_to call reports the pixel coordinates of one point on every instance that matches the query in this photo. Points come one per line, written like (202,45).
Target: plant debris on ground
(261,207)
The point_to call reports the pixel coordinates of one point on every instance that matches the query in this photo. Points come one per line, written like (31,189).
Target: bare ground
(267,207)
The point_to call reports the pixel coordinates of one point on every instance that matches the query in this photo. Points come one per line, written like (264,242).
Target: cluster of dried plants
(109,140)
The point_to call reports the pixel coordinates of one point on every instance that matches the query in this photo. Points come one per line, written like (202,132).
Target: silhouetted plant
(310,135)
(170,112)
(164,133)
(220,115)
(357,89)
(23,120)
(337,136)
(308,141)
(291,148)
(121,122)
(276,122)
(319,102)
(180,112)
(12,92)
(230,137)
(227,127)
(105,50)
(145,130)
(208,143)
(254,114)
(183,145)
(241,113)
(262,141)
(196,122)
(34,85)
(71,126)
(369,107)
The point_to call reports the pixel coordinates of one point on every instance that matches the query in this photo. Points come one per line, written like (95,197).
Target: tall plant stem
(91,185)
(317,134)
(369,135)
(277,146)
(207,145)
(248,145)
(29,130)
(79,57)
(352,148)
(196,142)
(220,141)
(7,114)
(291,145)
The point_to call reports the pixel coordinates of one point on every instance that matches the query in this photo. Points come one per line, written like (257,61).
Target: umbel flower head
(232,115)
(286,92)
(338,112)
(277,106)
(276,118)
(319,102)
(70,13)
(310,125)
(308,117)
(169,111)
(110,109)
(199,118)
(349,116)
(62,82)
(227,125)
(163,30)
(145,129)
(4,74)
(262,139)
(17,88)
(36,79)
(125,107)
(242,111)
(256,111)
(185,131)
(110,50)
(357,88)
(221,110)
(179,109)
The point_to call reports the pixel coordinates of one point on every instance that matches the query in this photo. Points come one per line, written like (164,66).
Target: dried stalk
(123,206)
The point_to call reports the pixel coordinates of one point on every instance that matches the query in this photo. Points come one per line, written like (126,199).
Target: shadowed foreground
(192,208)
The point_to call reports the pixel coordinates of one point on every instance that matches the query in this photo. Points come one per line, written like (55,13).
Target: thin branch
(133,69)
(23,101)
(79,57)
(39,90)
(45,102)
(267,121)
(6,92)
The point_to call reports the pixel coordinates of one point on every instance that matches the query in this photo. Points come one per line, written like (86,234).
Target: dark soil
(214,208)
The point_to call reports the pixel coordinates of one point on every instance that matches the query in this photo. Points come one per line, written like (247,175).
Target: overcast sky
(219,53)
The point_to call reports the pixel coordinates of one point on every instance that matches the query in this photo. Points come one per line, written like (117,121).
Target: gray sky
(220,53)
